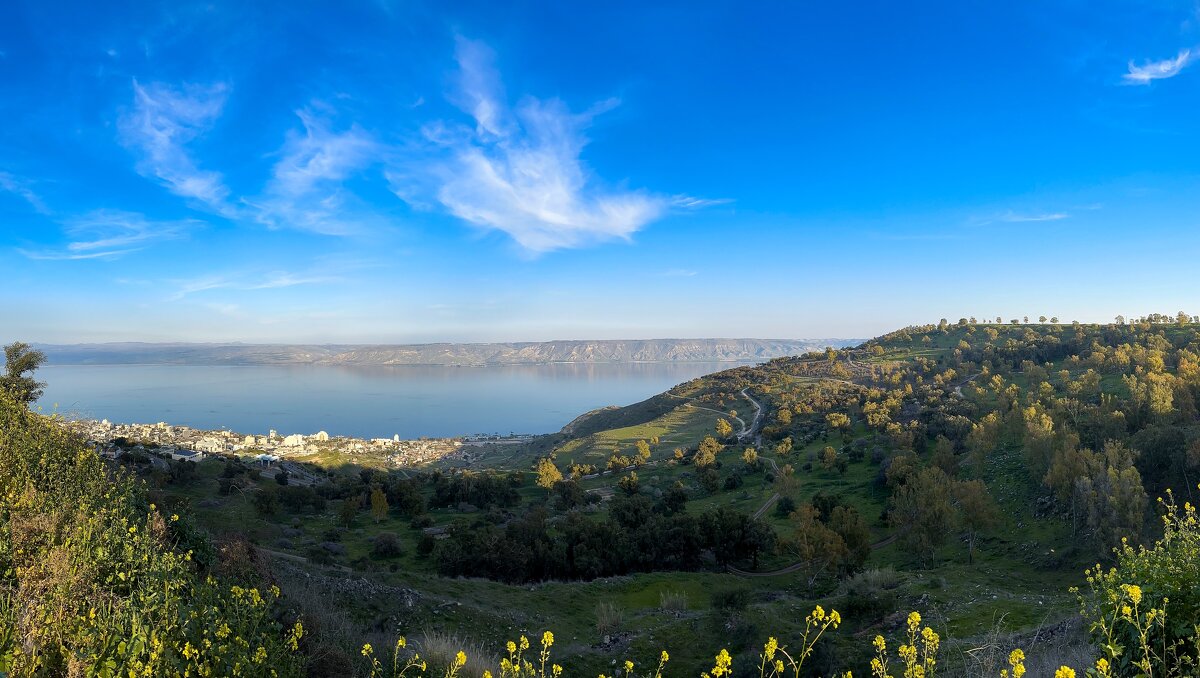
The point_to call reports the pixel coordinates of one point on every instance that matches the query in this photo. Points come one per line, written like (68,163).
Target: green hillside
(970,471)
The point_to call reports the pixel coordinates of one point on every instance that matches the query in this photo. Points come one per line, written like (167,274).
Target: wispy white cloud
(1158,70)
(108,234)
(243,282)
(691,203)
(518,169)
(306,190)
(21,189)
(679,273)
(159,126)
(1015,217)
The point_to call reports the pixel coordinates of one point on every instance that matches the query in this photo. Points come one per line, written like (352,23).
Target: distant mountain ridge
(511,353)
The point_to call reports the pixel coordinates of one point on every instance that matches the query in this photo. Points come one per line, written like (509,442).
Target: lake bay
(362,401)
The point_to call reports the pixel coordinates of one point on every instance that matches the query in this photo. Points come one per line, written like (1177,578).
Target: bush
(76,535)
(387,545)
(608,618)
(673,601)
(785,506)
(871,594)
(1148,605)
(731,599)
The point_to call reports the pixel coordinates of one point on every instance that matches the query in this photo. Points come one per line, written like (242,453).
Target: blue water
(364,401)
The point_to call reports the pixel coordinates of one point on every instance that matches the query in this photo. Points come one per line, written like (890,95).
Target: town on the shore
(184,443)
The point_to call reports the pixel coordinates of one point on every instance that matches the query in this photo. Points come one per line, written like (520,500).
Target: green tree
(819,550)
(20,362)
(706,454)
(921,510)
(784,447)
(976,511)
(943,456)
(852,528)
(643,452)
(829,457)
(629,483)
(379,504)
(547,473)
(1114,495)
(724,429)
(349,509)
(750,457)
(837,421)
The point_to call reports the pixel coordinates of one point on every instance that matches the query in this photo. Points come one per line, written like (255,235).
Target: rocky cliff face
(520,353)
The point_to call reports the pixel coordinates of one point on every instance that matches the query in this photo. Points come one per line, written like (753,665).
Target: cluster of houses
(189,444)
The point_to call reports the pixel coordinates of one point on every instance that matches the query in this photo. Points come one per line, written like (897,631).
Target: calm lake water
(362,401)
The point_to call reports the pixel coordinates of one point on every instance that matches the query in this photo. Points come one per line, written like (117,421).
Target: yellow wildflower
(914,620)
(1134,592)
(722,667)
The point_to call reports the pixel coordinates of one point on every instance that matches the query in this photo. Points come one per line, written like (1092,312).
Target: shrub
(871,594)
(1143,612)
(785,506)
(387,545)
(89,581)
(732,599)
(609,618)
(673,601)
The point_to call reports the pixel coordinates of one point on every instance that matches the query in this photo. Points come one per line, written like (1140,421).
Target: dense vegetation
(95,580)
(970,470)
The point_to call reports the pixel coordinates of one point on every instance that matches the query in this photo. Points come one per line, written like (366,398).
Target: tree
(922,512)
(819,550)
(1054,320)
(629,483)
(265,502)
(1113,492)
(547,473)
(829,457)
(349,509)
(943,456)
(21,361)
(387,545)
(784,447)
(733,535)
(643,452)
(837,420)
(750,457)
(1042,319)
(379,504)
(976,511)
(850,526)
(724,429)
(706,454)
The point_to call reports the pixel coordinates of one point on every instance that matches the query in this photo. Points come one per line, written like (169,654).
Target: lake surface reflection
(362,401)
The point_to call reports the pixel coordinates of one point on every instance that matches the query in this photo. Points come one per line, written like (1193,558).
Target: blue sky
(403,172)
